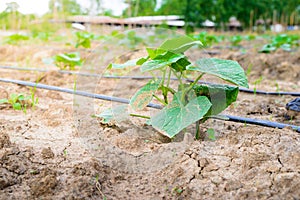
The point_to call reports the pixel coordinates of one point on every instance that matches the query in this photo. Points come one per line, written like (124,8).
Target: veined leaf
(267,48)
(286,47)
(3,101)
(221,96)
(144,95)
(142,60)
(177,116)
(179,45)
(155,52)
(211,134)
(180,65)
(228,70)
(17,106)
(129,63)
(161,61)
(72,57)
(118,113)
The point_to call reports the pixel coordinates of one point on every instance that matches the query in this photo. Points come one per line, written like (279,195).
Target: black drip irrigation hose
(151,105)
(147,77)
(260,122)
(77,92)
(297,94)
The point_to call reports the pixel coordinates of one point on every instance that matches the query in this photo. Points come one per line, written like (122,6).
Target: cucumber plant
(67,60)
(188,103)
(208,39)
(283,41)
(21,101)
(83,39)
(15,39)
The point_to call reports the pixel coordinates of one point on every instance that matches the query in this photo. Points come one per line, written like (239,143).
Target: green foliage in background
(197,11)
(15,39)
(282,41)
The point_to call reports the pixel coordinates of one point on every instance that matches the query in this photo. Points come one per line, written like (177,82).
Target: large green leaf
(71,57)
(179,44)
(178,115)
(129,63)
(144,95)
(152,53)
(161,61)
(228,70)
(221,96)
(118,113)
(180,65)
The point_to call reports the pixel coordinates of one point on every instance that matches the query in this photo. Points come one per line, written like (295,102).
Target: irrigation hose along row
(146,77)
(151,105)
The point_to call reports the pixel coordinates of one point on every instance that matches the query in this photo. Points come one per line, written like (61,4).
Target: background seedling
(20,101)
(257,82)
(15,39)
(208,39)
(236,40)
(83,39)
(283,41)
(67,60)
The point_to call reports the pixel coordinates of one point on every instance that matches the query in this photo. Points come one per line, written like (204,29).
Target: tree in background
(219,11)
(11,18)
(172,7)
(65,7)
(139,8)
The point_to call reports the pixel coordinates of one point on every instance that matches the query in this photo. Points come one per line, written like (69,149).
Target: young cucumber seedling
(21,101)
(189,103)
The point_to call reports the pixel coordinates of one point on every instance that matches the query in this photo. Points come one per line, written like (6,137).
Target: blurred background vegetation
(194,12)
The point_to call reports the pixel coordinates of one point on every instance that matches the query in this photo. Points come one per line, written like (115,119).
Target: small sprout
(21,101)
(33,171)
(65,152)
(211,134)
(177,190)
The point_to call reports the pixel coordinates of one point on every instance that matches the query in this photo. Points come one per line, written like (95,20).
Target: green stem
(160,100)
(178,77)
(163,77)
(195,82)
(197,135)
(180,84)
(141,116)
(165,92)
(169,78)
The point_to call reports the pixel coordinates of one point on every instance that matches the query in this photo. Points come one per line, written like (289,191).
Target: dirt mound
(281,65)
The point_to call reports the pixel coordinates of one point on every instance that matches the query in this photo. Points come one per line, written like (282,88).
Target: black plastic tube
(77,92)
(260,122)
(147,77)
(151,105)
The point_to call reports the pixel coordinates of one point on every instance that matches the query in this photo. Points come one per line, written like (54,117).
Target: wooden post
(274,17)
(136,8)
(292,19)
(251,20)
